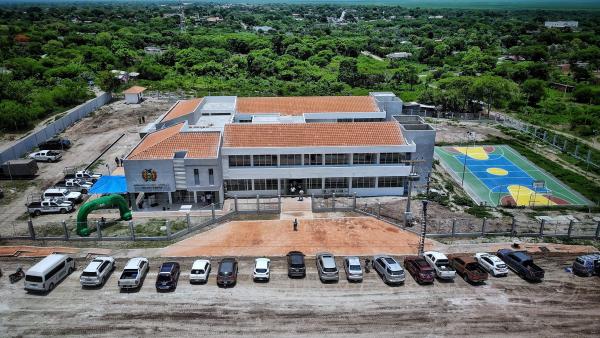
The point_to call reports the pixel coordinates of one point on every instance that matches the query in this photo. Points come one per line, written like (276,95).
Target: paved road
(562,305)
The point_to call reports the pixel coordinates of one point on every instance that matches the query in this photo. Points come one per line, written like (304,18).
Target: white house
(134,94)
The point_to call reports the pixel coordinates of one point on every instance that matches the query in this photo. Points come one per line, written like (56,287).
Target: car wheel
(50,287)
(465,278)
(71,270)
(37,213)
(84,191)
(63,211)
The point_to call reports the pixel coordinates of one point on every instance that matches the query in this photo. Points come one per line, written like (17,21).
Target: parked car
(492,264)
(419,269)
(326,267)
(48,206)
(168,276)
(19,169)
(228,270)
(440,264)
(96,273)
(353,269)
(262,270)
(75,185)
(200,271)
(56,143)
(46,156)
(522,264)
(468,268)
(62,194)
(597,268)
(81,174)
(134,273)
(48,272)
(389,269)
(296,265)
(586,265)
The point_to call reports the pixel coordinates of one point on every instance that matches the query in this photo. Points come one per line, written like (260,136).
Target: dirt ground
(341,236)
(90,137)
(561,305)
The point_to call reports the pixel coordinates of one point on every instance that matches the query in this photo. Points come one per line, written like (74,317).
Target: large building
(208,149)
(561,24)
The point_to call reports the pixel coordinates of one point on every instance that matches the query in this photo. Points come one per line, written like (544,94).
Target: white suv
(62,194)
(200,271)
(261,269)
(96,273)
(492,263)
(134,273)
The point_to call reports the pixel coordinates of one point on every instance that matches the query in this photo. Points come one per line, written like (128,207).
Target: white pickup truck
(81,174)
(46,156)
(440,264)
(49,206)
(78,185)
(133,274)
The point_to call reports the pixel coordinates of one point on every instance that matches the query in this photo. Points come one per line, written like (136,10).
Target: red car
(419,268)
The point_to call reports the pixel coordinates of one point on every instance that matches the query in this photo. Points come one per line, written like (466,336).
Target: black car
(55,144)
(296,266)
(168,276)
(228,270)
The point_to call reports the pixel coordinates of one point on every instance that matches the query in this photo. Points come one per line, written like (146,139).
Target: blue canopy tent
(109,185)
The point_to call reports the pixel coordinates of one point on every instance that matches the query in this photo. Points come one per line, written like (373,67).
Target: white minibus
(48,272)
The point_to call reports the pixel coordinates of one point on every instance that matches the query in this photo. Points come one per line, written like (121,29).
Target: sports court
(498,175)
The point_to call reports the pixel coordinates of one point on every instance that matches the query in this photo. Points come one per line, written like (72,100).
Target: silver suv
(327,268)
(389,269)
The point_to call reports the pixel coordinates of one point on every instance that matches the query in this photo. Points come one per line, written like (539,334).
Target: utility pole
(423,229)
(412,177)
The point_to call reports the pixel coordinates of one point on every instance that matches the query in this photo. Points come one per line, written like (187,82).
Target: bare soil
(561,305)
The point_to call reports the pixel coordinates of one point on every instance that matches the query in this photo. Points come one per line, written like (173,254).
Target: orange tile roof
(182,107)
(244,135)
(305,104)
(134,90)
(164,143)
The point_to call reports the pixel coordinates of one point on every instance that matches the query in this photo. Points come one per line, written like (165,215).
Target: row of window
(211,177)
(315,159)
(317,183)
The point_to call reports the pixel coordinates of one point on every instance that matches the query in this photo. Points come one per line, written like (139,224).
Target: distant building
(134,94)
(435,17)
(152,50)
(264,29)
(561,24)
(399,55)
(214,19)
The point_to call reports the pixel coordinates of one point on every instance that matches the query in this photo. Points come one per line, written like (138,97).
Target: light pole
(423,229)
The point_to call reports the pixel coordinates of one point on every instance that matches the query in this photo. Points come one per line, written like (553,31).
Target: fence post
(212,210)
(378,209)
(279,202)
(513,227)
(483,226)
(64,223)
(235,203)
(31,229)
(168,225)
(453,227)
(542,227)
(354,202)
(333,201)
(570,228)
(99,229)
(598,230)
(132,230)
(257,204)
(189,224)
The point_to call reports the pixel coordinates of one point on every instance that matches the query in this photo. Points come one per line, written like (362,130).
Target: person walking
(295,224)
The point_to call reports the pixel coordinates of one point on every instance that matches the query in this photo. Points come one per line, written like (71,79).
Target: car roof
(93,266)
(492,257)
(353,260)
(134,263)
(55,190)
(590,256)
(262,262)
(199,263)
(41,266)
(390,262)
(435,254)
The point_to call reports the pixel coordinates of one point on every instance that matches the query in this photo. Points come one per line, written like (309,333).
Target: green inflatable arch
(103,202)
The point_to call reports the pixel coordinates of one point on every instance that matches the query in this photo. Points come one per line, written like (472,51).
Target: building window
(314,183)
(239,161)
(313,159)
(390,182)
(336,159)
(364,158)
(265,160)
(344,120)
(290,159)
(336,183)
(238,185)
(265,184)
(390,158)
(211,177)
(363,182)
(196,177)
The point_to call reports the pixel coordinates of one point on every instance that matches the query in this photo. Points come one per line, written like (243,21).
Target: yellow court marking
(524,196)
(497,171)
(477,153)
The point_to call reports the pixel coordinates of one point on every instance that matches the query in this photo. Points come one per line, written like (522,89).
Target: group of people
(119,161)
(295,187)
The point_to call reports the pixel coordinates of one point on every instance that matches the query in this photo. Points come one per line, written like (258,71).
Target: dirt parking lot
(562,305)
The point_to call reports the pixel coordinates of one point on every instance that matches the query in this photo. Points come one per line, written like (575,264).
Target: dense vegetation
(49,54)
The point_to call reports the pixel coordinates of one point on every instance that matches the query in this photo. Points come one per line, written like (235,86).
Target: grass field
(498,175)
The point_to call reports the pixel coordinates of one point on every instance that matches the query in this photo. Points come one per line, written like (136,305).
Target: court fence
(459,227)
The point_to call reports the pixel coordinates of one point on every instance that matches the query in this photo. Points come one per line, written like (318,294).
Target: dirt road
(562,305)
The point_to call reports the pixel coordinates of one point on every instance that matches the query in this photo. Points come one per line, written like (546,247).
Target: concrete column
(212,210)
(170,198)
(31,229)
(333,201)
(570,228)
(132,230)
(354,202)
(188,221)
(235,203)
(64,224)
(349,185)
(279,202)
(168,225)
(195,197)
(257,204)
(279,186)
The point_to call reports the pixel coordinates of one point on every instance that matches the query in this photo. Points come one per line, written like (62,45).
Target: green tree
(348,72)
(534,90)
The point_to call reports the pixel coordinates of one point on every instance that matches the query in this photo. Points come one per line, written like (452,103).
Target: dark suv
(55,144)
(296,266)
(419,268)
(168,276)
(228,270)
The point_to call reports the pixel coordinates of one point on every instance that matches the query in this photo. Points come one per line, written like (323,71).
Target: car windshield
(88,274)
(197,272)
(297,261)
(226,268)
(261,270)
(129,274)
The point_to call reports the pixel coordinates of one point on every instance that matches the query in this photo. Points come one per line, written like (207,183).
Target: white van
(48,272)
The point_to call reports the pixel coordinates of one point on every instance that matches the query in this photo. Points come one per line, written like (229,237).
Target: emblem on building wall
(149,175)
